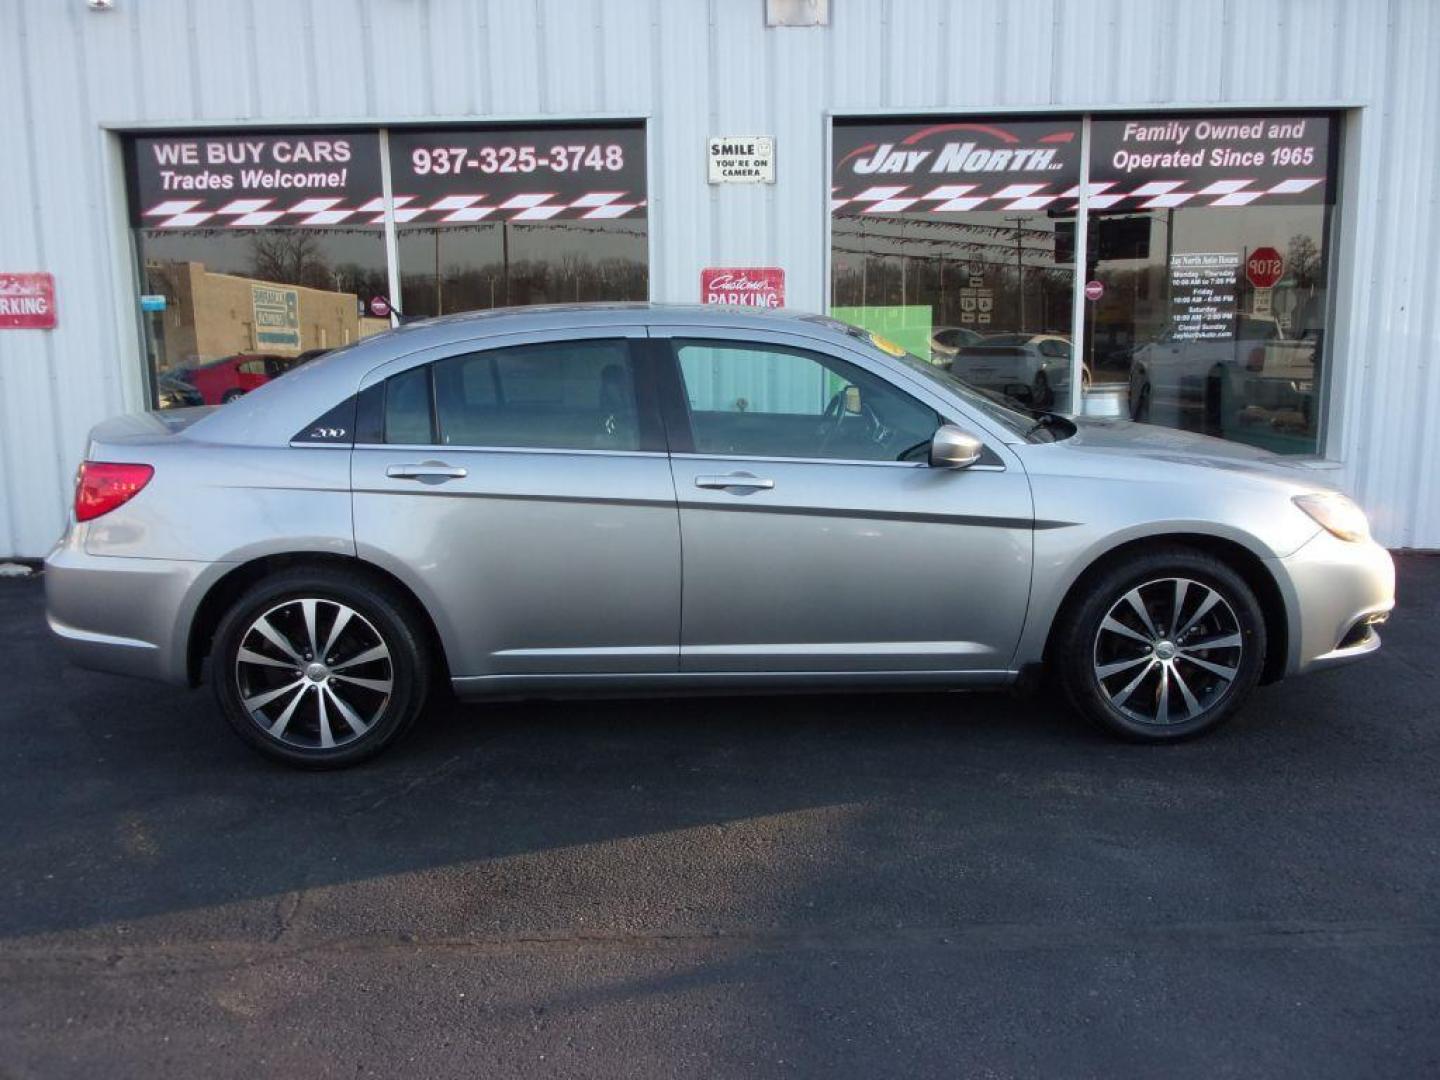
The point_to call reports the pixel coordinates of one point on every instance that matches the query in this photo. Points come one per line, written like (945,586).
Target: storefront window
(956,240)
(260,250)
(496,217)
(1206,260)
(1208,241)
(256,251)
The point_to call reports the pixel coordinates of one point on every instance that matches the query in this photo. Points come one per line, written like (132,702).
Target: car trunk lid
(145,427)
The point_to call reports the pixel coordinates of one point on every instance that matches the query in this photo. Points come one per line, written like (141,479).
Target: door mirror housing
(954,448)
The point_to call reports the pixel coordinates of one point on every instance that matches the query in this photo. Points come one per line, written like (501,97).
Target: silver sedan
(643,498)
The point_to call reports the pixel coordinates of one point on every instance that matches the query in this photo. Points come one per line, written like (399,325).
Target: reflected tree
(1303,259)
(290,257)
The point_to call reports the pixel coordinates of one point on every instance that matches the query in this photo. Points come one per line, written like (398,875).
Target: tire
(1213,407)
(1115,677)
(1040,392)
(231,395)
(1140,411)
(312,726)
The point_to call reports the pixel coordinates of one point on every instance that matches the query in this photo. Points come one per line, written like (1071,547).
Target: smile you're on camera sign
(741,159)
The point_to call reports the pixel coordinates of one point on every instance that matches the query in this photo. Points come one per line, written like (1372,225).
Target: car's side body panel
(534,561)
(130,616)
(210,503)
(845,565)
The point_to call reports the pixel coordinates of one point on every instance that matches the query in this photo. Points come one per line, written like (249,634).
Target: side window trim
(674,406)
(653,437)
(430,400)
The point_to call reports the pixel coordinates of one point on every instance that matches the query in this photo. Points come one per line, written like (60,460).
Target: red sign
(379,307)
(743,286)
(1264,267)
(1094,290)
(27,301)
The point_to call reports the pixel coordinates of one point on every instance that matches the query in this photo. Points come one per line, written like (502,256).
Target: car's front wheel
(319,667)
(1162,646)
(1140,410)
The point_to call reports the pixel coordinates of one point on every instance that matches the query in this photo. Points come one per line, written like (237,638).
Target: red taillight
(104,485)
(1256,360)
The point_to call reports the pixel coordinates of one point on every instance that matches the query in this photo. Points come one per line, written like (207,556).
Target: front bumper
(1338,592)
(124,615)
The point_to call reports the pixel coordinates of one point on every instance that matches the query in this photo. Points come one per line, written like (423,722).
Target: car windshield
(1033,425)
(994,406)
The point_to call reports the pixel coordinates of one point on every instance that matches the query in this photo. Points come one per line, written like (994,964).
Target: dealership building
(1205,214)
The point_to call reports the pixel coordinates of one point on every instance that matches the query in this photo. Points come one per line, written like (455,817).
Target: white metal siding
(695,68)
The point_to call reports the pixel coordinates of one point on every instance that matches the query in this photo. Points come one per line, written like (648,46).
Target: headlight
(1336,515)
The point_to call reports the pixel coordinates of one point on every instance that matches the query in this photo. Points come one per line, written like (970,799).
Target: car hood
(1124,438)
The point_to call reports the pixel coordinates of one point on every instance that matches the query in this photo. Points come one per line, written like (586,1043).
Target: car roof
(558,316)
(442,330)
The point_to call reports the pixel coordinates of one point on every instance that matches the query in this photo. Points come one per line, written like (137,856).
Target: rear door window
(556,395)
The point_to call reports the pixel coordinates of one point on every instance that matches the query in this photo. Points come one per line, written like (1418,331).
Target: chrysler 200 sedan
(636,499)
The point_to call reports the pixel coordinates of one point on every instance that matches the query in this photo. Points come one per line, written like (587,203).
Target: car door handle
(734,480)
(426,470)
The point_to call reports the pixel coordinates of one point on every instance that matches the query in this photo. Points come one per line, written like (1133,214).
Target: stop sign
(1264,267)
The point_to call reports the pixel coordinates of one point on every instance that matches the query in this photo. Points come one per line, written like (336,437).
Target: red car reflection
(224,380)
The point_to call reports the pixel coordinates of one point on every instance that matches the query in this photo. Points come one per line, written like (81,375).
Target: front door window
(775,401)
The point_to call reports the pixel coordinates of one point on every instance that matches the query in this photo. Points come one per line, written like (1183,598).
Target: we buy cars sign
(743,286)
(27,301)
(256,179)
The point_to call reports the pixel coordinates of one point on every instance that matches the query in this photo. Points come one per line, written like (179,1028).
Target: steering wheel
(834,417)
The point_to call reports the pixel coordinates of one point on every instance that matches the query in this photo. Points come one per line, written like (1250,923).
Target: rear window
(561,395)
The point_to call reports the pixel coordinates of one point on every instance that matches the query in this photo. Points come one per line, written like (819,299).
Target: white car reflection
(1031,368)
(1258,378)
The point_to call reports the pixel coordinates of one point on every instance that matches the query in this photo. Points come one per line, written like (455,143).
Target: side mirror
(954,448)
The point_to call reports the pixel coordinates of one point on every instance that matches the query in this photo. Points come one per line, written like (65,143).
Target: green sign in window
(907,326)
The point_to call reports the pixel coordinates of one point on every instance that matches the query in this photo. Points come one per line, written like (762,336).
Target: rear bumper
(1337,589)
(123,615)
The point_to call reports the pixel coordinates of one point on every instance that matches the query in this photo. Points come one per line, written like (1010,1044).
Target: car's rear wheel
(1163,646)
(319,667)
(231,395)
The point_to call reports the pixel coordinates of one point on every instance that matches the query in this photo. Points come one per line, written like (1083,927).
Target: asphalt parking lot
(832,886)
